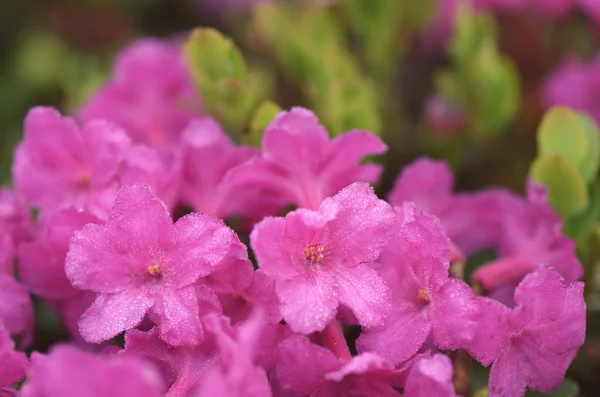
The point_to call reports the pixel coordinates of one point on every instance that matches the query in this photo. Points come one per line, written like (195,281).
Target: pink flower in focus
(426,302)
(301,165)
(319,259)
(14,363)
(183,368)
(67,371)
(150,93)
(534,343)
(208,155)
(140,262)
(57,164)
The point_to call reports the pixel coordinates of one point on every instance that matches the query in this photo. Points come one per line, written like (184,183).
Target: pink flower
(67,371)
(305,369)
(183,368)
(591,8)
(208,155)
(300,164)
(534,343)
(530,234)
(150,93)
(239,373)
(575,84)
(15,227)
(16,311)
(426,303)
(42,261)
(319,259)
(428,183)
(57,164)
(14,363)
(241,290)
(430,377)
(158,168)
(140,262)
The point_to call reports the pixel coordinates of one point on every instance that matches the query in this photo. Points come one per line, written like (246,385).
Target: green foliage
(480,80)
(308,44)
(567,190)
(383,29)
(567,163)
(263,115)
(572,136)
(229,89)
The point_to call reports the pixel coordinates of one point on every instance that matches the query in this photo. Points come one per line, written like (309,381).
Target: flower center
(154,270)
(314,254)
(423,295)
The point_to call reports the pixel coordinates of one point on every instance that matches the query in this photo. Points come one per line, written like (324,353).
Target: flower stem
(332,338)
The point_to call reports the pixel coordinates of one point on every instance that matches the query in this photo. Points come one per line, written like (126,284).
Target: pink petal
(191,260)
(308,304)
(301,366)
(425,181)
(364,291)
(507,378)
(402,335)
(176,313)
(431,377)
(112,314)
(363,224)
(455,315)
(14,363)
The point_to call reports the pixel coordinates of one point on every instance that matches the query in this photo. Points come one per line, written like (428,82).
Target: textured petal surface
(14,363)
(111,314)
(308,304)
(402,335)
(176,313)
(430,377)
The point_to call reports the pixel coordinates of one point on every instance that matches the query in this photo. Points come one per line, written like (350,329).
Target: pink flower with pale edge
(239,373)
(57,164)
(319,259)
(150,93)
(67,371)
(534,343)
(426,302)
(430,377)
(299,163)
(16,310)
(139,262)
(182,368)
(208,155)
(14,363)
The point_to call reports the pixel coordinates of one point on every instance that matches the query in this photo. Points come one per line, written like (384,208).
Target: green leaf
(222,78)
(567,190)
(564,133)
(262,117)
(589,167)
(567,389)
(331,82)
(579,226)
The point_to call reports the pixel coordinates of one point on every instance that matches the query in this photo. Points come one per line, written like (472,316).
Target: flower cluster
(113,252)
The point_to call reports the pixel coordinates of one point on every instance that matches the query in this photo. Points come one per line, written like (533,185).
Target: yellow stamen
(154,270)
